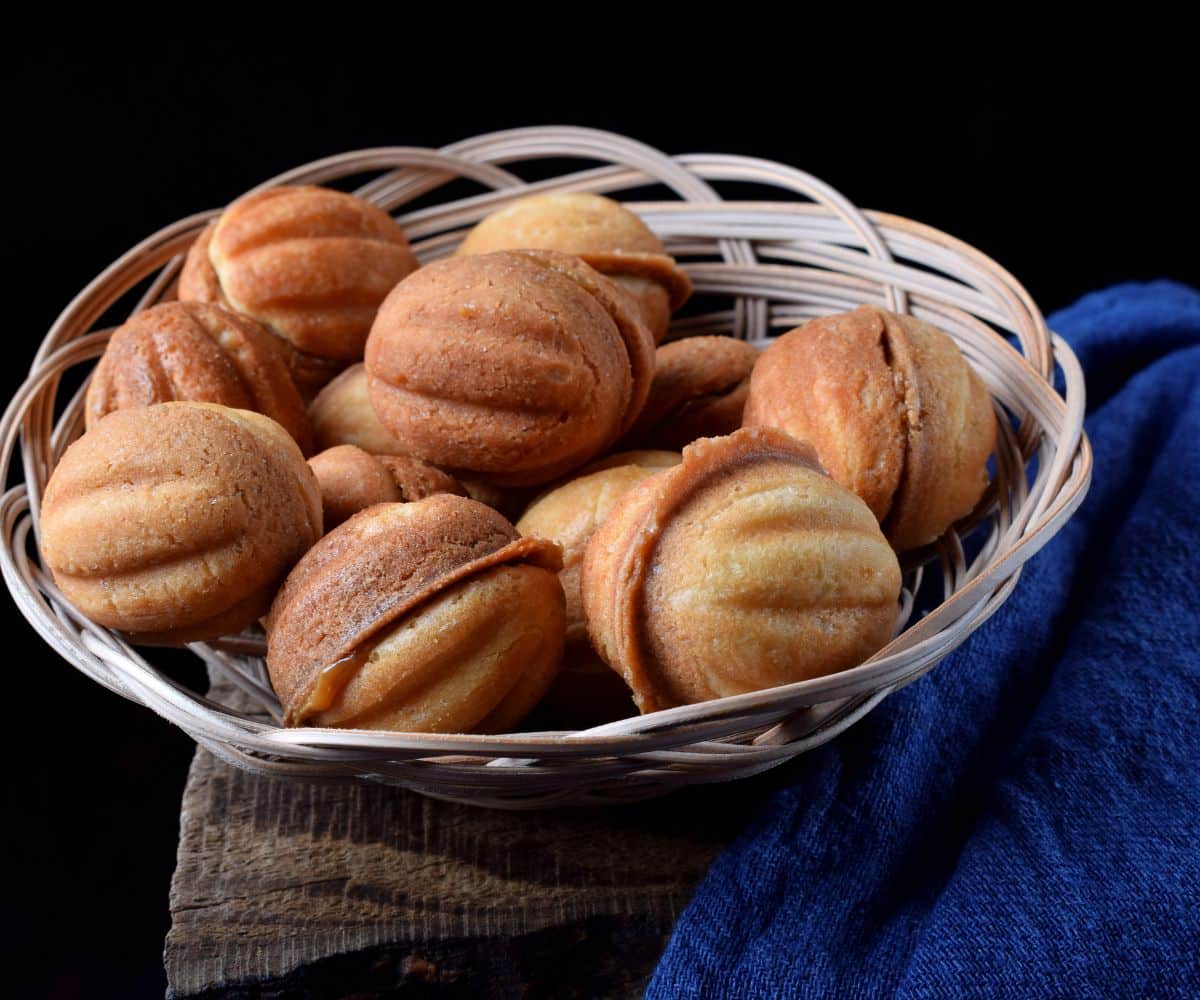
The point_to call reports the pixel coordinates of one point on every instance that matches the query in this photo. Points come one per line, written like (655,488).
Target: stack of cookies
(459,494)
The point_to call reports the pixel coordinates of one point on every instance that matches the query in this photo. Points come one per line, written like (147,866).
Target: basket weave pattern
(776,264)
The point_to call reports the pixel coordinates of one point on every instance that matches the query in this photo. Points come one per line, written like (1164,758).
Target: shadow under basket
(759,268)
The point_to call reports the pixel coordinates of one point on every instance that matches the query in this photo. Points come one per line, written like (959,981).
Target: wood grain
(281,885)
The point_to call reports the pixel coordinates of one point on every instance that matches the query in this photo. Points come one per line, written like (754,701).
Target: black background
(1067,156)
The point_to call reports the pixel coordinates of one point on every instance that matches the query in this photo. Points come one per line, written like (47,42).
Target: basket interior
(759,267)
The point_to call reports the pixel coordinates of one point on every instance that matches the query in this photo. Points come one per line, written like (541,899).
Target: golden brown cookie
(178,522)
(740,569)
(309,263)
(433,616)
(893,410)
(512,367)
(587,692)
(646,458)
(699,390)
(342,414)
(417,480)
(192,351)
(570,514)
(604,233)
(350,481)
(198,283)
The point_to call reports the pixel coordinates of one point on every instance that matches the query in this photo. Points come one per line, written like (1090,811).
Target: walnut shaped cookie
(309,263)
(893,409)
(742,568)
(432,616)
(178,522)
(603,232)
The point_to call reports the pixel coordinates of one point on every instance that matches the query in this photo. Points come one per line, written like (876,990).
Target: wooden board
(338,890)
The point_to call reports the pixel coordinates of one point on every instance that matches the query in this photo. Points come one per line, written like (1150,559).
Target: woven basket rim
(780,262)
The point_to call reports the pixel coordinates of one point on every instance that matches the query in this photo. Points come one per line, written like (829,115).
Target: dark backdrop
(1065,157)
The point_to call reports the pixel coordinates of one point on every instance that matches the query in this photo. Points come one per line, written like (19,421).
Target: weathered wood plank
(277,879)
(609,957)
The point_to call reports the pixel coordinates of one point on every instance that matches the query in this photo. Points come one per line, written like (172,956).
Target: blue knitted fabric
(1025,820)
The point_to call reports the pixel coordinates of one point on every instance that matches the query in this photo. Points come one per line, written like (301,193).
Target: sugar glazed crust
(893,410)
(432,616)
(193,351)
(699,390)
(178,522)
(309,263)
(601,231)
(513,367)
(742,568)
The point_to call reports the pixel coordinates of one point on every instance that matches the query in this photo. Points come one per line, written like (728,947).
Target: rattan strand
(778,263)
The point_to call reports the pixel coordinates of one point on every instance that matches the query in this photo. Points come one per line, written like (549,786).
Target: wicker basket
(771,265)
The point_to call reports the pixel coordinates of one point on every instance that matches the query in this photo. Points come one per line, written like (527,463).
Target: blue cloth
(1025,820)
